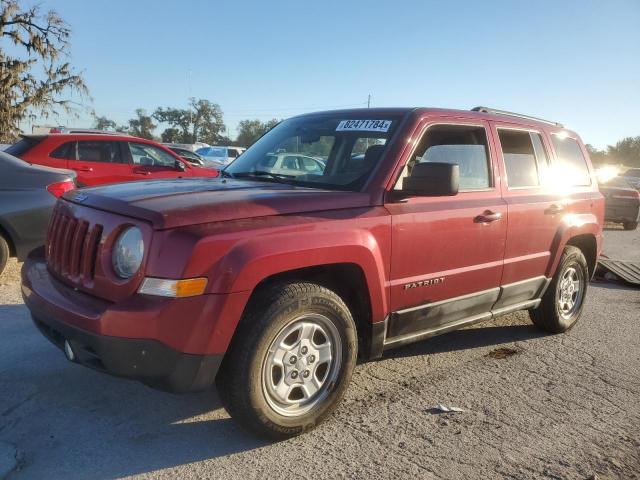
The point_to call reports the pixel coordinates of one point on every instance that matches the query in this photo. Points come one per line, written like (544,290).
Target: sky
(577,62)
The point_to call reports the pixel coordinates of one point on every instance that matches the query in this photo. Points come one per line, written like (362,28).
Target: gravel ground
(535,406)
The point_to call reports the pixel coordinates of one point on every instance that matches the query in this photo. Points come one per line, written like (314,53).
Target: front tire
(563,301)
(630,225)
(4,253)
(290,361)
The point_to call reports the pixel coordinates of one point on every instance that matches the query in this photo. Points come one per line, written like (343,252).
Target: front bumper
(170,344)
(148,361)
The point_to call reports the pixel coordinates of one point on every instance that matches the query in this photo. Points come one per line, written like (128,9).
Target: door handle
(555,209)
(487,217)
(83,169)
(142,172)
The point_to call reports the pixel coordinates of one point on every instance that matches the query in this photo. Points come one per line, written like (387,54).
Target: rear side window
(457,144)
(66,151)
(519,154)
(571,162)
(99,151)
(23,146)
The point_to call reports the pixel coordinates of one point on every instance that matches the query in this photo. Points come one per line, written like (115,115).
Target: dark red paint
(237,234)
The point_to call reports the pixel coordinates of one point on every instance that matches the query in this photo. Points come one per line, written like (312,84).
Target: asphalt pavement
(534,406)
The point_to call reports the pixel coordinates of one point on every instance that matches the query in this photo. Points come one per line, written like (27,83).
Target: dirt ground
(534,406)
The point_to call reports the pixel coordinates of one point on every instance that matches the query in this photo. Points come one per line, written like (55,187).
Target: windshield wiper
(278,177)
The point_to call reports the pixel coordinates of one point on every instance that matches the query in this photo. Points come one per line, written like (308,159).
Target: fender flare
(572,226)
(255,259)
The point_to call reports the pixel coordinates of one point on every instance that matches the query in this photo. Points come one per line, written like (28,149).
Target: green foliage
(201,122)
(103,123)
(251,130)
(625,152)
(35,76)
(142,126)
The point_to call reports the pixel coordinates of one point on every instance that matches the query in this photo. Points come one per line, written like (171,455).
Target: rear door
(535,210)
(149,161)
(99,162)
(447,254)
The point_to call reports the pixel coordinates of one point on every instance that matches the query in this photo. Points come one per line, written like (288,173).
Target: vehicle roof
(89,136)
(501,116)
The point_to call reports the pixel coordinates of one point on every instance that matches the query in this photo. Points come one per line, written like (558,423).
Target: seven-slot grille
(72,246)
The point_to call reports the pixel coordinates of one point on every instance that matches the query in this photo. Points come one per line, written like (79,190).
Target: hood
(191,201)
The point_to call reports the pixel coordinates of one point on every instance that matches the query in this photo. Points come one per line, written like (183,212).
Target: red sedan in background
(100,158)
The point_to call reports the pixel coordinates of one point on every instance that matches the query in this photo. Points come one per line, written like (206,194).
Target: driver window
(150,156)
(464,145)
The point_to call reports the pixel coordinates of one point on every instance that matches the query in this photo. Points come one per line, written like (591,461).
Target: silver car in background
(219,156)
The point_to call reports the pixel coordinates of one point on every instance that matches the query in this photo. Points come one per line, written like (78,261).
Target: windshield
(324,151)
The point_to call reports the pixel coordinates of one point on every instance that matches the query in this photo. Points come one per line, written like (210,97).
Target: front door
(151,162)
(447,252)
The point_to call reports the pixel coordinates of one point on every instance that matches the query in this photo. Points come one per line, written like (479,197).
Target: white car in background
(293,164)
(219,156)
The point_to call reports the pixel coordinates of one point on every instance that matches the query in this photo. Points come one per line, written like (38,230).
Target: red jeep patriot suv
(101,158)
(272,279)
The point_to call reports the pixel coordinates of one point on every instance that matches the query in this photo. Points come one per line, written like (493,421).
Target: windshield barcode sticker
(364,126)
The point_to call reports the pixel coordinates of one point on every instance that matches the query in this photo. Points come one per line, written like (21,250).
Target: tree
(251,130)
(35,76)
(201,122)
(626,151)
(597,156)
(103,123)
(171,135)
(142,126)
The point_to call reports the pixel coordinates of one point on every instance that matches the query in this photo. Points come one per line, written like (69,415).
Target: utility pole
(369,101)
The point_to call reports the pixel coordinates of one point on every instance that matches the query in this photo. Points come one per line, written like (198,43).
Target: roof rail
(512,114)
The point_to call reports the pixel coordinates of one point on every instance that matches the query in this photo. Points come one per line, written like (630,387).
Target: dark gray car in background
(27,196)
(621,201)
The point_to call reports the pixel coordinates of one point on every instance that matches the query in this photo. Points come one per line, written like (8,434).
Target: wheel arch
(347,280)
(588,245)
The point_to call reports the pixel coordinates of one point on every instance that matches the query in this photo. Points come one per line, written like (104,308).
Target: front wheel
(4,253)
(630,225)
(563,301)
(290,361)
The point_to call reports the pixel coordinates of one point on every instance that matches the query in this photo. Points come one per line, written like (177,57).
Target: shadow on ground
(68,420)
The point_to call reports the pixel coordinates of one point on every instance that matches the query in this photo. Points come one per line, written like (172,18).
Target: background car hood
(174,203)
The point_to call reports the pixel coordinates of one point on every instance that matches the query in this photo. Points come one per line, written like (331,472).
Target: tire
(4,253)
(274,347)
(561,304)
(630,225)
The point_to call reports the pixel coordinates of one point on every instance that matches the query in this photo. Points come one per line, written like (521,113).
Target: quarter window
(456,144)
(99,151)
(571,161)
(66,151)
(521,157)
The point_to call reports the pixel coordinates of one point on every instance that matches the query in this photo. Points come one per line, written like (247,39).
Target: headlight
(128,252)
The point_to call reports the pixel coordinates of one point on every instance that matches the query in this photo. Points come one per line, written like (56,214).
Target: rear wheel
(563,301)
(4,253)
(630,225)
(290,361)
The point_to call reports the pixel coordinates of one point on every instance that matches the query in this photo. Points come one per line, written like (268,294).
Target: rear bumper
(622,212)
(170,344)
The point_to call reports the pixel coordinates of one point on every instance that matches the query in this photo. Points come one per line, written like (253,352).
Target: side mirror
(432,179)
(180,166)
